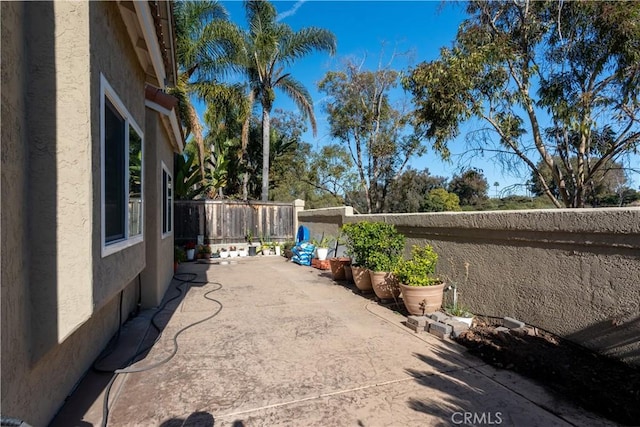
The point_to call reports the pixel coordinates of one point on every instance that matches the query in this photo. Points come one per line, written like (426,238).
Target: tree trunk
(266,126)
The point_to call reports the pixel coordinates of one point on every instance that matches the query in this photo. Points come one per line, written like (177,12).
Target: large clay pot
(361,278)
(348,274)
(384,284)
(337,267)
(420,300)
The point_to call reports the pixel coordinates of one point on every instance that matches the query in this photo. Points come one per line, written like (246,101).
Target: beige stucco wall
(573,272)
(112,55)
(158,272)
(60,300)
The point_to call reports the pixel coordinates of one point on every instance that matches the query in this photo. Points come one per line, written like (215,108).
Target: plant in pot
(223,252)
(179,255)
(322,247)
(233,252)
(204,251)
(356,241)
(242,251)
(386,245)
(422,292)
(190,249)
(459,313)
(252,248)
(340,266)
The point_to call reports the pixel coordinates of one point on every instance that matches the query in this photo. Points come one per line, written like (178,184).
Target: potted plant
(252,247)
(422,292)
(233,252)
(204,251)
(190,249)
(385,248)
(322,247)
(356,237)
(339,265)
(179,256)
(224,253)
(242,251)
(459,313)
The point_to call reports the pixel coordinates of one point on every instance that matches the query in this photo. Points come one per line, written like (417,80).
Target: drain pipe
(455,293)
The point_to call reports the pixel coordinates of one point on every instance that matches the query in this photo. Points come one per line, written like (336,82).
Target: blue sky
(362,28)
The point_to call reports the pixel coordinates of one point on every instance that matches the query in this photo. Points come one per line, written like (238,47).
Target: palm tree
(262,54)
(200,28)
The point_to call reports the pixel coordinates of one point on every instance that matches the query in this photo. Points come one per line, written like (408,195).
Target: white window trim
(163,201)
(112,247)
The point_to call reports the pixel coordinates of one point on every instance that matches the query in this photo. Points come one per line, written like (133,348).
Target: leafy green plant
(420,269)
(179,255)
(374,244)
(322,242)
(458,310)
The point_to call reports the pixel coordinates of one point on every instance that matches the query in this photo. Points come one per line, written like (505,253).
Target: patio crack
(342,392)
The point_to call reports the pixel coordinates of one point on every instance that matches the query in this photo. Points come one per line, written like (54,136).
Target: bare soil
(595,382)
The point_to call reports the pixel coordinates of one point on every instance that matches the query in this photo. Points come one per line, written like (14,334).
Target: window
(121,149)
(167,202)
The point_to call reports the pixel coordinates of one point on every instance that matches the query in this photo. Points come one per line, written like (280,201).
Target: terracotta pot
(337,267)
(420,300)
(348,273)
(384,284)
(361,278)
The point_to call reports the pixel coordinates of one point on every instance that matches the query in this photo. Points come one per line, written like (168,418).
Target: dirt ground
(597,383)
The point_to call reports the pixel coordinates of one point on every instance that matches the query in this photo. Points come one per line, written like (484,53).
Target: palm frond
(300,96)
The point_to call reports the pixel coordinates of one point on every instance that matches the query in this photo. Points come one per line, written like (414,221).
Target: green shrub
(374,245)
(420,269)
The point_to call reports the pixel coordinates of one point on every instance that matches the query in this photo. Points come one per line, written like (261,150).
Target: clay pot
(348,273)
(420,300)
(361,278)
(337,267)
(384,284)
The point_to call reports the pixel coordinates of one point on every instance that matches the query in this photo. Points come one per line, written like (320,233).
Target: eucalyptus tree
(263,54)
(515,63)
(364,119)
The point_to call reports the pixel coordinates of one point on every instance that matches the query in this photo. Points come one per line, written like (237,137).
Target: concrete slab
(268,342)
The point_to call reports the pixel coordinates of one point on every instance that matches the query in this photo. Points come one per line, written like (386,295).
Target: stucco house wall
(158,272)
(574,272)
(60,296)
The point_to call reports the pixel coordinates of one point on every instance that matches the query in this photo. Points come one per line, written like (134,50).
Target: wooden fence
(224,221)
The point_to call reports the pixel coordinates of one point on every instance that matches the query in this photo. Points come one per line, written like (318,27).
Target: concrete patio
(281,344)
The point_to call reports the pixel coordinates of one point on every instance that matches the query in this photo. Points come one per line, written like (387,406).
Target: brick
(417,320)
(415,328)
(522,332)
(439,316)
(440,329)
(428,324)
(512,323)
(457,328)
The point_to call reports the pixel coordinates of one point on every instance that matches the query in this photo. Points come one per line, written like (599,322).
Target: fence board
(222,221)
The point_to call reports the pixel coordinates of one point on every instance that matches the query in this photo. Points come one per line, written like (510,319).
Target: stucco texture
(158,272)
(573,272)
(52,327)
(113,56)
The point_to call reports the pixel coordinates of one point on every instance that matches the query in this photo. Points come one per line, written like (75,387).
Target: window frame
(108,248)
(166,199)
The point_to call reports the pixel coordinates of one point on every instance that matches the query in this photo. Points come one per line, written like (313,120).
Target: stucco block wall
(112,55)
(56,317)
(573,272)
(158,272)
